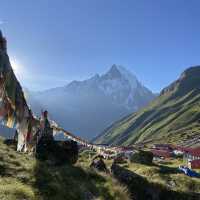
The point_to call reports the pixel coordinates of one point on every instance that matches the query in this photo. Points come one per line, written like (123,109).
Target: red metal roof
(163,145)
(194,151)
(162,153)
(195,164)
(191,151)
(183,149)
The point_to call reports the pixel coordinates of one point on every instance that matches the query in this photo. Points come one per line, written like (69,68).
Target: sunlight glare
(15,66)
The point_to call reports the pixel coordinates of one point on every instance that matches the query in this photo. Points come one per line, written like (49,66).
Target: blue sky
(52,42)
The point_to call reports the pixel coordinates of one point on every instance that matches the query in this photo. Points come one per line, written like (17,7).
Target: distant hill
(87,107)
(174,116)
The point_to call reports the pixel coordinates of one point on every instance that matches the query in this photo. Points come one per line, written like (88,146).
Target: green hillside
(22,177)
(172,117)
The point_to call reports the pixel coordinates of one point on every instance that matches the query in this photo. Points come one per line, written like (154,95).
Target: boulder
(57,152)
(99,164)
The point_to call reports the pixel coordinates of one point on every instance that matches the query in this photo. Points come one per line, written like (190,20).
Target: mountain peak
(188,81)
(118,71)
(114,66)
(121,72)
(173,116)
(114,72)
(194,70)
(118,68)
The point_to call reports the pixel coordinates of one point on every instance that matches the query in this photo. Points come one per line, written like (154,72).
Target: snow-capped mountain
(87,107)
(124,88)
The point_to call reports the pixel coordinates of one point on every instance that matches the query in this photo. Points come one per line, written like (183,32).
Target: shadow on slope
(141,189)
(57,178)
(69,182)
(24,177)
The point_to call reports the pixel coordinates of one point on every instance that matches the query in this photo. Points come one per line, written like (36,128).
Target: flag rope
(15,112)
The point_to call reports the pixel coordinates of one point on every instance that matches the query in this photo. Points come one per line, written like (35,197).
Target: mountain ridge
(87,107)
(172,117)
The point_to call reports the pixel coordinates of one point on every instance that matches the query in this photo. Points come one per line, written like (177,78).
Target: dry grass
(22,177)
(167,174)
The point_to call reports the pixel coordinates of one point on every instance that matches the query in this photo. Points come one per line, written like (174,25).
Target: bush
(120,160)
(142,157)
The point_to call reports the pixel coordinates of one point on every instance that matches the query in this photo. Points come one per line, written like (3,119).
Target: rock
(57,152)
(171,184)
(99,164)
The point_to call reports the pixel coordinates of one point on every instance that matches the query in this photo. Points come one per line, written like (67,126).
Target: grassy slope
(163,175)
(173,117)
(166,175)
(23,177)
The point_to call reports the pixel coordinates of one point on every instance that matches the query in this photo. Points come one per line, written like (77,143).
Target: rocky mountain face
(172,117)
(87,107)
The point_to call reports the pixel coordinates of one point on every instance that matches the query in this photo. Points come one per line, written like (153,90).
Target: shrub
(142,157)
